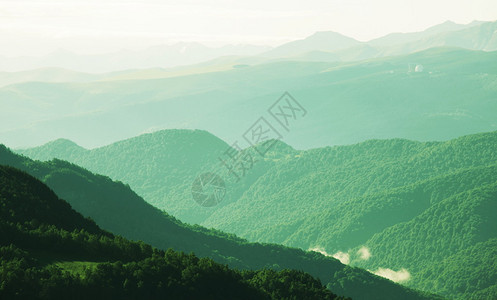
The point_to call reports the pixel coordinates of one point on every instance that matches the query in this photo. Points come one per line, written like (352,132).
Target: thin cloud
(364,253)
(396,276)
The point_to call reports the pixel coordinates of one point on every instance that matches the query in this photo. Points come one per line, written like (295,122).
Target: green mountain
(178,54)
(115,207)
(410,204)
(450,246)
(347,102)
(49,251)
(185,153)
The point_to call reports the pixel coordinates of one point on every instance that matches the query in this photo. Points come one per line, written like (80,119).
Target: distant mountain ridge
(183,53)
(398,38)
(477,35)
(347,102)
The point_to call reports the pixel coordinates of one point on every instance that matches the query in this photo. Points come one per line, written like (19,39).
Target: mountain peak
(51,149)
(66,143)
(178,133)
(170,139)
(330,36)
(319,41)
(448,26)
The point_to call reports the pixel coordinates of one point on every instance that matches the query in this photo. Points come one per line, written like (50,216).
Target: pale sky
(29,27)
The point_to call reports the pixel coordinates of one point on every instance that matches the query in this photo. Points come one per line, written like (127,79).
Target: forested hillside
(49,251)
(447,248)
(271,150)
(340,199)
(173,158)
(115,207)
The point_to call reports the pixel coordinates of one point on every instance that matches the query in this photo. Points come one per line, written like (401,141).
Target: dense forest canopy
(50,251)
(115,207)
(384,195)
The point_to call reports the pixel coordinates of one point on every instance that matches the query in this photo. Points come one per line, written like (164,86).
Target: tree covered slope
(385,195)
(43,240)
(447,247)
(115,207)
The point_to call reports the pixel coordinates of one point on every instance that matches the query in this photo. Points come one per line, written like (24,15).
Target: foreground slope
(116,208)
(50,251)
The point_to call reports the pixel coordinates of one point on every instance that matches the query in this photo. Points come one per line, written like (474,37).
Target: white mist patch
(343,257)
(319,249)
(364,253)
(395,276)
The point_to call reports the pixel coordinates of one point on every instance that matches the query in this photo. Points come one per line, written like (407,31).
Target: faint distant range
(164,56)
(368,90)
(328,46)
(346,102)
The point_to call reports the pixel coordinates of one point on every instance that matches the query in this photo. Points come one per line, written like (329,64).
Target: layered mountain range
(410,206)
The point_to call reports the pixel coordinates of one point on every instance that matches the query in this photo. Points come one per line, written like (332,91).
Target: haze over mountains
(158,56)
(350,102)
(383,157)
(334,46)
(352,90)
